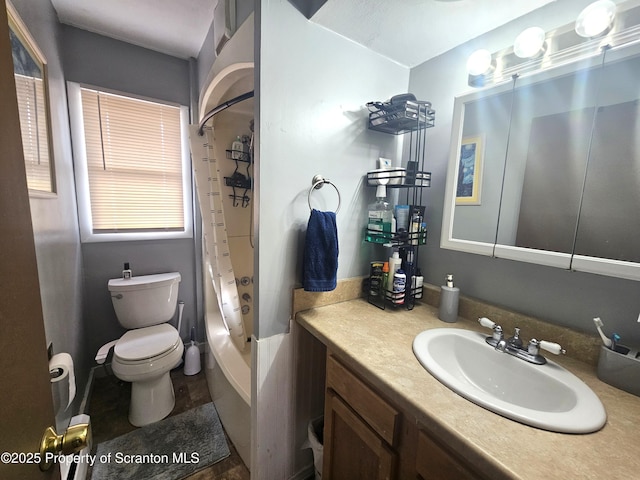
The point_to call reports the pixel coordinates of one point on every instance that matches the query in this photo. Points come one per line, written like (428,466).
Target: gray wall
(54,220)
(103,62)
(562,297)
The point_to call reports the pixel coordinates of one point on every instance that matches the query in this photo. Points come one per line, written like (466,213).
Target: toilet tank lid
(143,281)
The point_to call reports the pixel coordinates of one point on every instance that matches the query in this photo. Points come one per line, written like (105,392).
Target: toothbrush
(615,339)
(599,325)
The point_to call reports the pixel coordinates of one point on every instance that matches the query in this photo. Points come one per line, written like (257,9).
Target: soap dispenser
(449,297)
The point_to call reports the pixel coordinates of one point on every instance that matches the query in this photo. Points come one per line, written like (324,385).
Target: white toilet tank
(145,300)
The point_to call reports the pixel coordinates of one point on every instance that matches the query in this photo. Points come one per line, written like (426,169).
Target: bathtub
(228,373)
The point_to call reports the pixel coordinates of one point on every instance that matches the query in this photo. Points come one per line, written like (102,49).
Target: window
(132,166)
(30,71)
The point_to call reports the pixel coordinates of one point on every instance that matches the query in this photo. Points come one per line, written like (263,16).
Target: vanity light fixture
(530,43)
(534,50)
(596,19)
(479,65)
(479,62)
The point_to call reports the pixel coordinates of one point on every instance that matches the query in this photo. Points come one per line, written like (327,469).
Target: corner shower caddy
(239,180)
(399,118)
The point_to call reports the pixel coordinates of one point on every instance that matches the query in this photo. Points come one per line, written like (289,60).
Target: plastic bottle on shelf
(385,278)
(414,230)
(399,287)
(380,217)
(376,284)
(394,265)
(237,149)
(402,217)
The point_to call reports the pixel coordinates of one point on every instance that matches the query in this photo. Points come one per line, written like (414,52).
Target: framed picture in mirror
(30,71)
(469,181)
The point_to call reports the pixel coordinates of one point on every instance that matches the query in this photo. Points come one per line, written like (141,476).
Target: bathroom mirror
(30,72)
(568,187)
(546,161)
(609,226)
(479,167)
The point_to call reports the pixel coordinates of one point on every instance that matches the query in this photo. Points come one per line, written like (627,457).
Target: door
(351,449)
(25,398)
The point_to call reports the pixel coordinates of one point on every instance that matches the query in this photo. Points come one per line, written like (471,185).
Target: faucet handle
(497,329)
(536,345)
(552,347)
(485,322)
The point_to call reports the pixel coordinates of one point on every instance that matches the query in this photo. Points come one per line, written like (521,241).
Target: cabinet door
(435,463)
(353,451)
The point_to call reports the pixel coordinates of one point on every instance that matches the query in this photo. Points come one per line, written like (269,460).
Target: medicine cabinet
(545,168)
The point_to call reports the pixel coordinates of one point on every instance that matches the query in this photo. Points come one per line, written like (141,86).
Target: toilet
(150,348)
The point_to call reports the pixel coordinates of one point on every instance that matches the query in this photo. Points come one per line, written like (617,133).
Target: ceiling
(413,31)
(407,31)
(174,27)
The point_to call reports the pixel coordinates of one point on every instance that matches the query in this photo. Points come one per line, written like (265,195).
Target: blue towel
(320,264)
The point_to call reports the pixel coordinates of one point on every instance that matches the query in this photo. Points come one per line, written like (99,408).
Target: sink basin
(544,396)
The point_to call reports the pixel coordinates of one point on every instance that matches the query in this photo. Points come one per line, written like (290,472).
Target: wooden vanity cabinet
(352,449)
(433,461)
(368,438)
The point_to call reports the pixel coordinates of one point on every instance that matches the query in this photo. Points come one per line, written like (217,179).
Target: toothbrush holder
(620,368)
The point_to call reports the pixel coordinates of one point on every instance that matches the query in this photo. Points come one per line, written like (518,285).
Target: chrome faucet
(514,346)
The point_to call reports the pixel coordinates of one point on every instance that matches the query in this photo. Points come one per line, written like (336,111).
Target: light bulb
(529,43)
(479,62)
(596,18)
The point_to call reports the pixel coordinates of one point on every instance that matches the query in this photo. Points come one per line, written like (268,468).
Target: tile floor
(110,405)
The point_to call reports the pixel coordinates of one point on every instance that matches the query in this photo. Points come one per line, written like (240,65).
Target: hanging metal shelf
(399,118)
(239,156)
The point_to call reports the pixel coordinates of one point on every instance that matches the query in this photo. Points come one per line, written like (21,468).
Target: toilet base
(151,400)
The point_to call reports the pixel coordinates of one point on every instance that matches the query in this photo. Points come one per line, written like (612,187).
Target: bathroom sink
(544,396)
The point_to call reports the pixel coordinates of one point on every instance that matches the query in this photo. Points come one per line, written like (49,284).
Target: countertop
(377,344)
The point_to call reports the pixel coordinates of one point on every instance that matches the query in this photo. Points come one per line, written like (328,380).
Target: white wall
(312,90)
(312,86)
(559,296)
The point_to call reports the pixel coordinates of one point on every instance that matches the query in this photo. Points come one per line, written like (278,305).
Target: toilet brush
(192,357)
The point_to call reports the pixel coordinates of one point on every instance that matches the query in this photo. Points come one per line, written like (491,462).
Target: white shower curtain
(216,246)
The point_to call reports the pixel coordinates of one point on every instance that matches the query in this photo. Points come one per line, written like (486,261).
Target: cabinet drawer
(379,415)
(433,462)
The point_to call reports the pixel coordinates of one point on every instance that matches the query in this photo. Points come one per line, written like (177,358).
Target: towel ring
(318,182)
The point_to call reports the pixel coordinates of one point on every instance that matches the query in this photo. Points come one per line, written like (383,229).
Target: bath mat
(166,450)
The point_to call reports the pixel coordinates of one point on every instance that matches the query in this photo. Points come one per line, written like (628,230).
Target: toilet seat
(142,344)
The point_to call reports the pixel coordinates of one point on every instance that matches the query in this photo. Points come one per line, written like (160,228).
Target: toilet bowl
(145,357)
(147,352)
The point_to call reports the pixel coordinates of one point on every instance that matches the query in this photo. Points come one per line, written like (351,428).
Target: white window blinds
(33,127)
(134,163)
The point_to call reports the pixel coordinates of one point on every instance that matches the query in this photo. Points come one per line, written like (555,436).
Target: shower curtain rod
(221,107)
